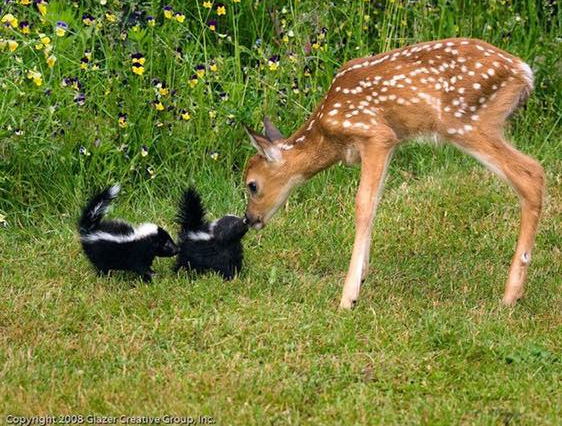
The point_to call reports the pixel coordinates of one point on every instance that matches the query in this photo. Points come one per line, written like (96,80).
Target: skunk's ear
(272,133)
(265,147)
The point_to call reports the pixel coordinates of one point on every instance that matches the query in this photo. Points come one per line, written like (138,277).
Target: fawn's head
(269,176)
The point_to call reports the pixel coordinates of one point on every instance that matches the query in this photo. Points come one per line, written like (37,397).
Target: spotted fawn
(460,91)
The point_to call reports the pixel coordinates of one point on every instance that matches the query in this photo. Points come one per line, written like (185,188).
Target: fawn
(459,90)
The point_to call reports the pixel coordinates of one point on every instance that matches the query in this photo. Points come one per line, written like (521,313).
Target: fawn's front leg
(375,156)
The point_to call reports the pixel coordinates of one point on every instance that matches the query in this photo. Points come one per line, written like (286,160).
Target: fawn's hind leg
(527,178)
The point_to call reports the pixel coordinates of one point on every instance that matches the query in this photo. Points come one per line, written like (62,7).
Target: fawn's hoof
(347,303)
(512,295)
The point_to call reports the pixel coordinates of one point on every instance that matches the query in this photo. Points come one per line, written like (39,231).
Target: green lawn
(428,343)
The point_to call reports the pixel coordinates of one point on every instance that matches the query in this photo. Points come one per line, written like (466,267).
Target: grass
(428,343)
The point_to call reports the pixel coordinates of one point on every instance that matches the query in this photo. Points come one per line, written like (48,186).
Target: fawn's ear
(272,133)
(265,147)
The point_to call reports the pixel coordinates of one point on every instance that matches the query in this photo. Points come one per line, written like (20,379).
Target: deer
(458,90)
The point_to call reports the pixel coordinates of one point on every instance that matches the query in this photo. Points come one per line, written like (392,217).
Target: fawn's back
(448,87)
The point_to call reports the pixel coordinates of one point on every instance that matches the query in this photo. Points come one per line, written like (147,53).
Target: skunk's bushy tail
(96,209)
(191,215)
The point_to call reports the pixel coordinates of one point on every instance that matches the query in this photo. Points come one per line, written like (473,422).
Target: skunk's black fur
(116,245)
(208,246)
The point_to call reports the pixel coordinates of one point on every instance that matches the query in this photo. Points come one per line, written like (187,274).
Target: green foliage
(58,140)
(428,342)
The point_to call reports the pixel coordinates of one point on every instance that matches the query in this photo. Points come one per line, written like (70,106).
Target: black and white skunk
(205,246)
(116,245)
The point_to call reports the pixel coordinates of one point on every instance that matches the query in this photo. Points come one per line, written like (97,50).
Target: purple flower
(80,99)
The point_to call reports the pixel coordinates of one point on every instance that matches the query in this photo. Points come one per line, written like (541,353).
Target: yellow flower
(212,114)
(25,2)
(138,68)
(221,10)
(207,4)
(122,120)
(159,106)
(42,6)
(61,29)
(180,17)
(235,1)
(164,91)
(45,40)
(213,67)
(110,17)
(24,28)
(36,77)
(193,81)
(12,45)
(10,19)
(168,12)
(273,63)
(51,60)
(185,116)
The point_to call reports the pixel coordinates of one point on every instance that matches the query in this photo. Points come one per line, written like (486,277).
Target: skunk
(116,245)
(204,246)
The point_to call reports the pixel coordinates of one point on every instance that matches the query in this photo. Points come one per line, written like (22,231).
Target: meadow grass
(428,342)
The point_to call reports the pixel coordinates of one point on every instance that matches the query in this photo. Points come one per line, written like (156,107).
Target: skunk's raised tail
(96,209)
(191,215)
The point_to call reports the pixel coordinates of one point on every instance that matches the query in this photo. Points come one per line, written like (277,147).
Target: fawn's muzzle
(253,221)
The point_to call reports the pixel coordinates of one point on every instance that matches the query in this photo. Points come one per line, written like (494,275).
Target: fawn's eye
(252,187)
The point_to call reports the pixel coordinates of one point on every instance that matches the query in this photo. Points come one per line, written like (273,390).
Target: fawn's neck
(312,154)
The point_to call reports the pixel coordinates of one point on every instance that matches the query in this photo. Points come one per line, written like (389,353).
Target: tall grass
(53,150)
